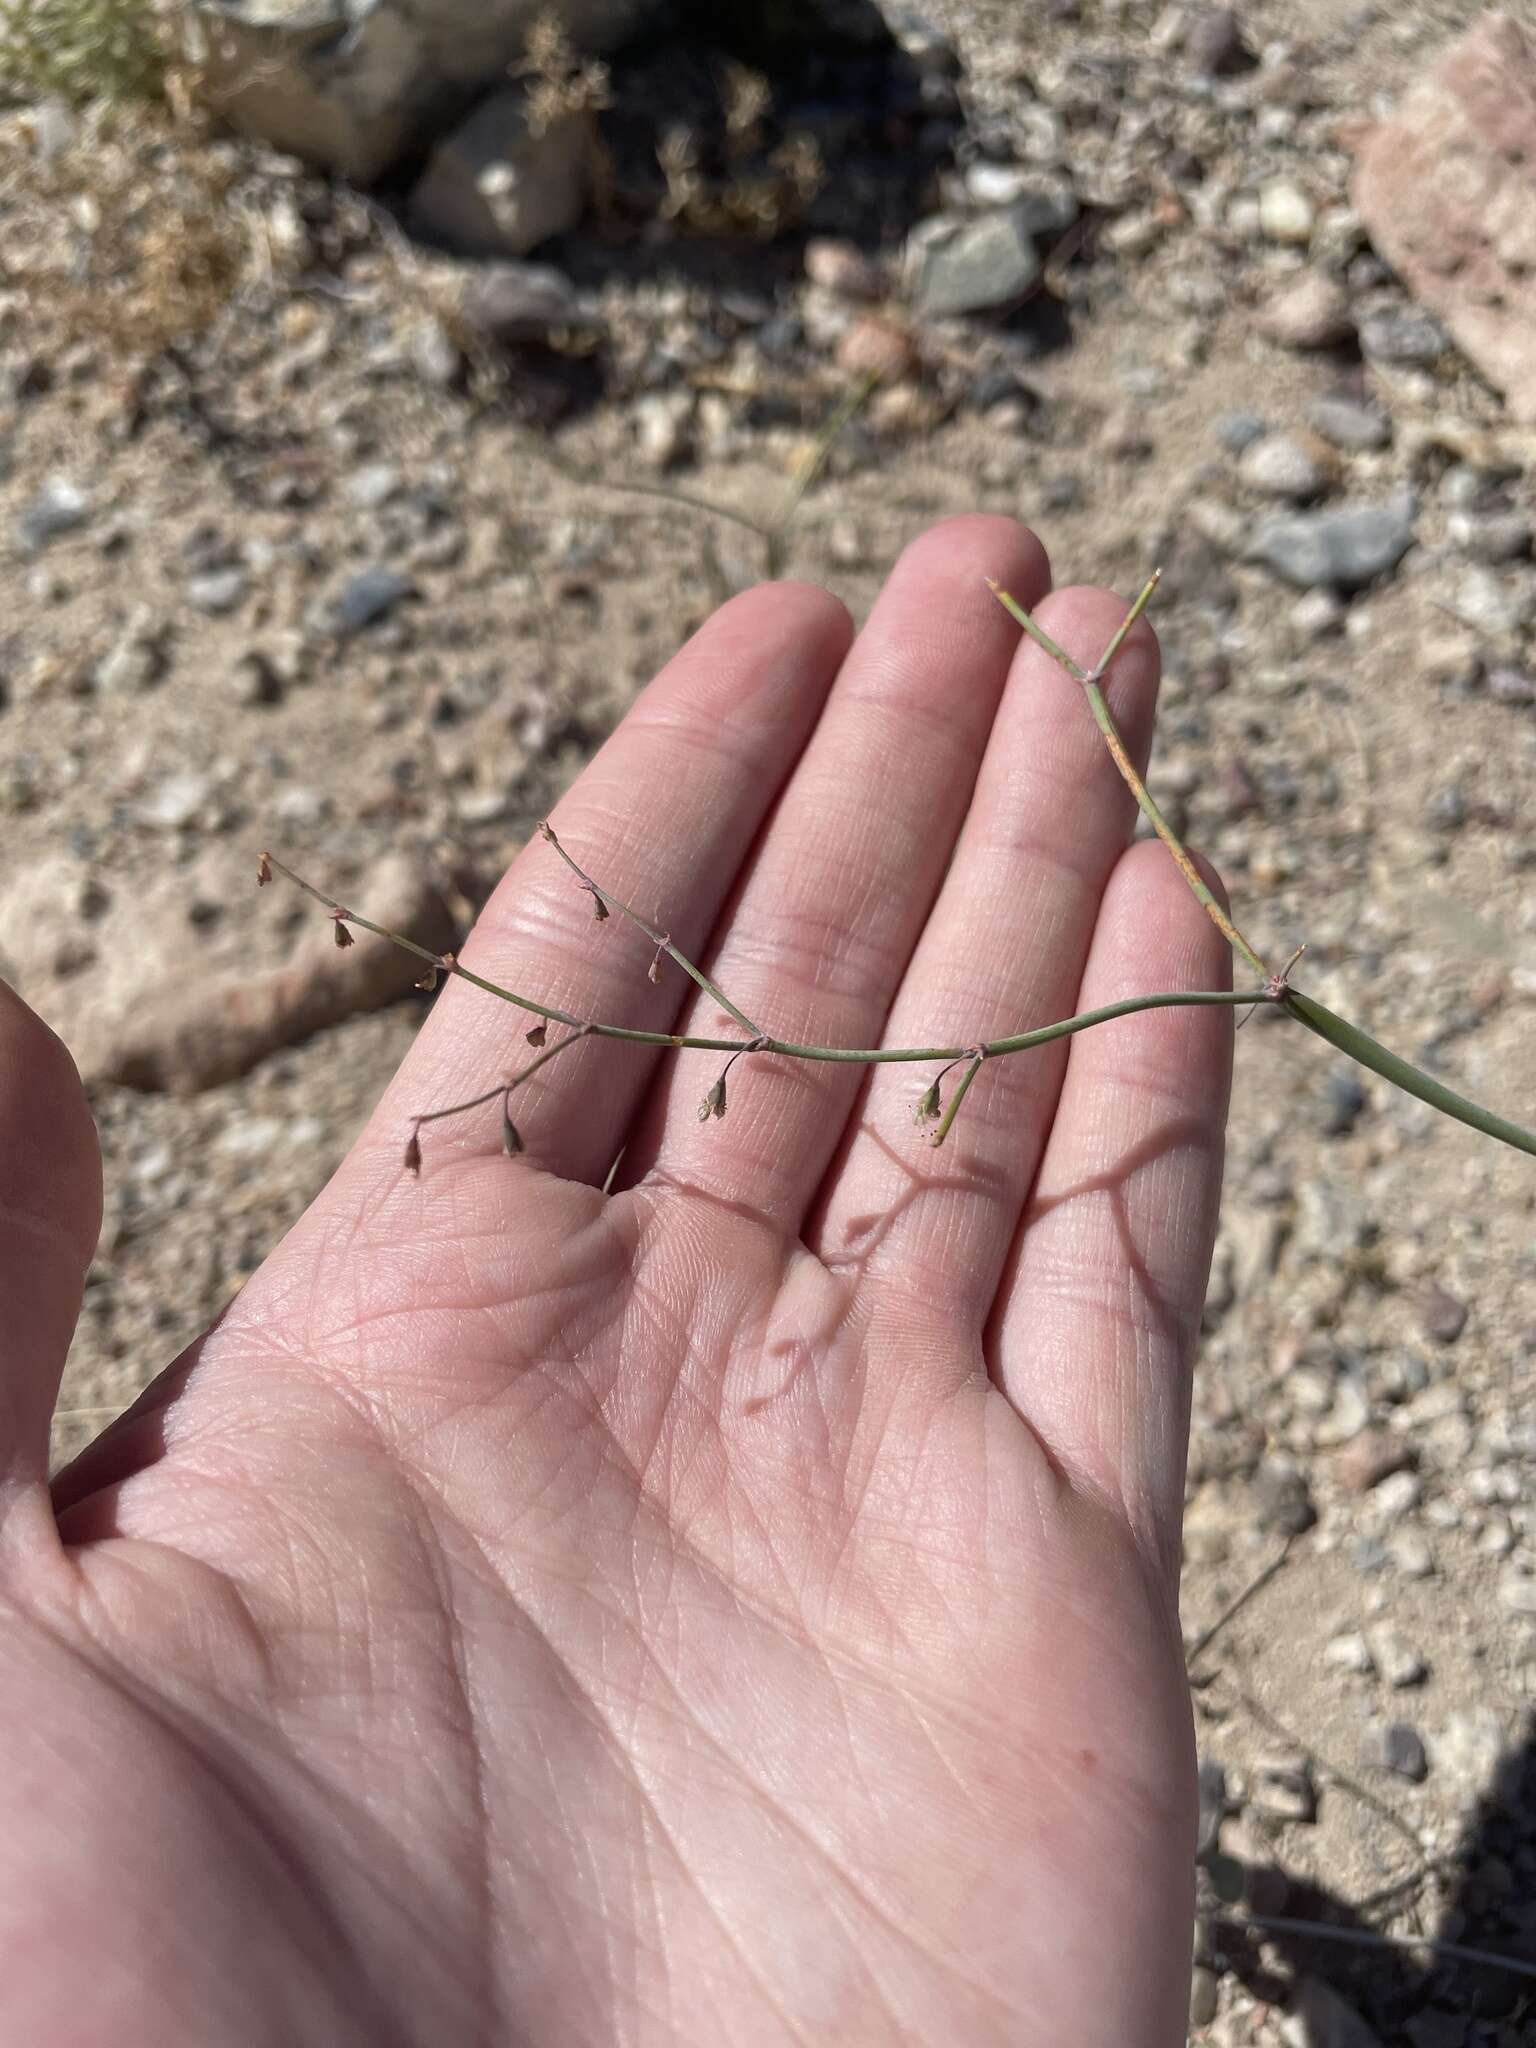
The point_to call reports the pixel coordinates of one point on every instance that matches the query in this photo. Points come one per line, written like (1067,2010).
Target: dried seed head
(714,1102)
(263,869)
(599,907)
(537,1035)
(654,970)
(413,1153)
(343,937)
(546,831)
(511,1141)
(429,980)
(927,1105)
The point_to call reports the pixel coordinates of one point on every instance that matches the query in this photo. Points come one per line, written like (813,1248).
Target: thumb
(50,1216)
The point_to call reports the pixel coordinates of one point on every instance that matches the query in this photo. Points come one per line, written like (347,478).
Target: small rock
(1320,2018)
(661,422)
(1441,1315)
(1344,1102)
(219,590)
(1517,1591)
(1350,1653)
(373,485)
(1212,1783)
(1215,45)
(510,303)
(955,265)
(1350,424)
(1283,1498)
(1310,313)
(1395,1746)
(997,184)
(1511,686)
(1283,1788)
(842,268)
(1204,1995)
(1316,614)
(1348,547)
(1398,1494)
(1496,605)
(1447,809)
(1402,337)
(498,185)
(254,681)
(366,598)
(435,354)
(1490,536)
(880,348)
(176,802)
(1283,468)
(1399,1663)
(1286,213)
(1372,1457)
(1238,430)
(59,507)
(1410,1552)
(138,657)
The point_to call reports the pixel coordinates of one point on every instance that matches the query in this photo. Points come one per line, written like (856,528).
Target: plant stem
(1091,680)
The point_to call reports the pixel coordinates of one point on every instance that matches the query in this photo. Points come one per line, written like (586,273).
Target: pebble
(1511,686)
(1410,1552)
(1490,536)
(1350,1653)
(1470,1749)
(254,681)
(1215,45)
(1517,1590)
(1399,1663)
(59,507)
(1350,424)
(1286,213)
(176,802)
(1283,1788)
(1347,547)
(366,598)
(1283,468)
(1311,312)
(1283,1498)
(842,268)
(219,590)
(661,425)
(1211,1780)
(373,485)
(1402,336)
(1441,1316)
(873,347)
(1239,430)
(1343,1095)
(1496,605)
(1320,2018)
(1316,614)
(954,265)
(1395,1746)
(508,304)
(1204,1995)
(1398,1494)
(137,658)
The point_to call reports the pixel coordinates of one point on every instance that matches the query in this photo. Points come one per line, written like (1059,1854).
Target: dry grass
(82,50)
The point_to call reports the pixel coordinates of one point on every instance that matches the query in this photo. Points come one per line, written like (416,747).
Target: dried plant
(562,84)
(940,1100)
(754,191)
(83,50)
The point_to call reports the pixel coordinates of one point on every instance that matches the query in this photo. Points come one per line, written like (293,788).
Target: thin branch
(814,463)
(1204,1641)
(1090,680)
(659,940)
(1370,1937)
(959,1095)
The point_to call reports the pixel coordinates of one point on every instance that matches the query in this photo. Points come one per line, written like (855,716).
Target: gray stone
(509,303)
(218,590)
(1212,1783)
(499,185)
(1320,2018)
(1283,1497)
(1397,1747)
(1283,468)
(1511,686)
(1491,536)
(1347,548)
(954,265)
(366,598)
(1404,337)
(1399,1663)
(1310,312)
(59,507)
(1238,430)
(1215,45)
(1350,424)
(352,85)
(1283,1788)
(1204,1995)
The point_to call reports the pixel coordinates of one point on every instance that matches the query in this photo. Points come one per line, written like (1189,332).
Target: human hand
(739,1608)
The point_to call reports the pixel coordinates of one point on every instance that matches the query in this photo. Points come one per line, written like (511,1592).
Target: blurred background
(385,393)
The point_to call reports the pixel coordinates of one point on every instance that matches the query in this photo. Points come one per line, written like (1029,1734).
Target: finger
(1097,1322)
(662,817)
(1003,952)
(50,1218)
(819,937)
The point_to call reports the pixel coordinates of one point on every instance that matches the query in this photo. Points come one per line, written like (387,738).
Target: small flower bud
(714,1102)
(599,907)
(429,980)
(511,1141)
(413,1153)
(927,1106)
(343,937)
(537,1035)
(263,869)
(547,831)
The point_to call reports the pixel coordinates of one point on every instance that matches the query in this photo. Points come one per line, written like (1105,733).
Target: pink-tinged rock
(1447,190)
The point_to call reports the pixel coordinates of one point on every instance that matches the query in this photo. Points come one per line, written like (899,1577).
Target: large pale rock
(1447,190)
(497,186)
(351,84)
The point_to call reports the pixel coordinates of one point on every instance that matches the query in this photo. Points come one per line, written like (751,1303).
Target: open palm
(736,1608)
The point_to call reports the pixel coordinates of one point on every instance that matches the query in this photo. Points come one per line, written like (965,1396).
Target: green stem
(956,1099)
(1349,1038)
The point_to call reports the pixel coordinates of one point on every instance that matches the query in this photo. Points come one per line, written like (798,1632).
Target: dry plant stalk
(931,1111)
